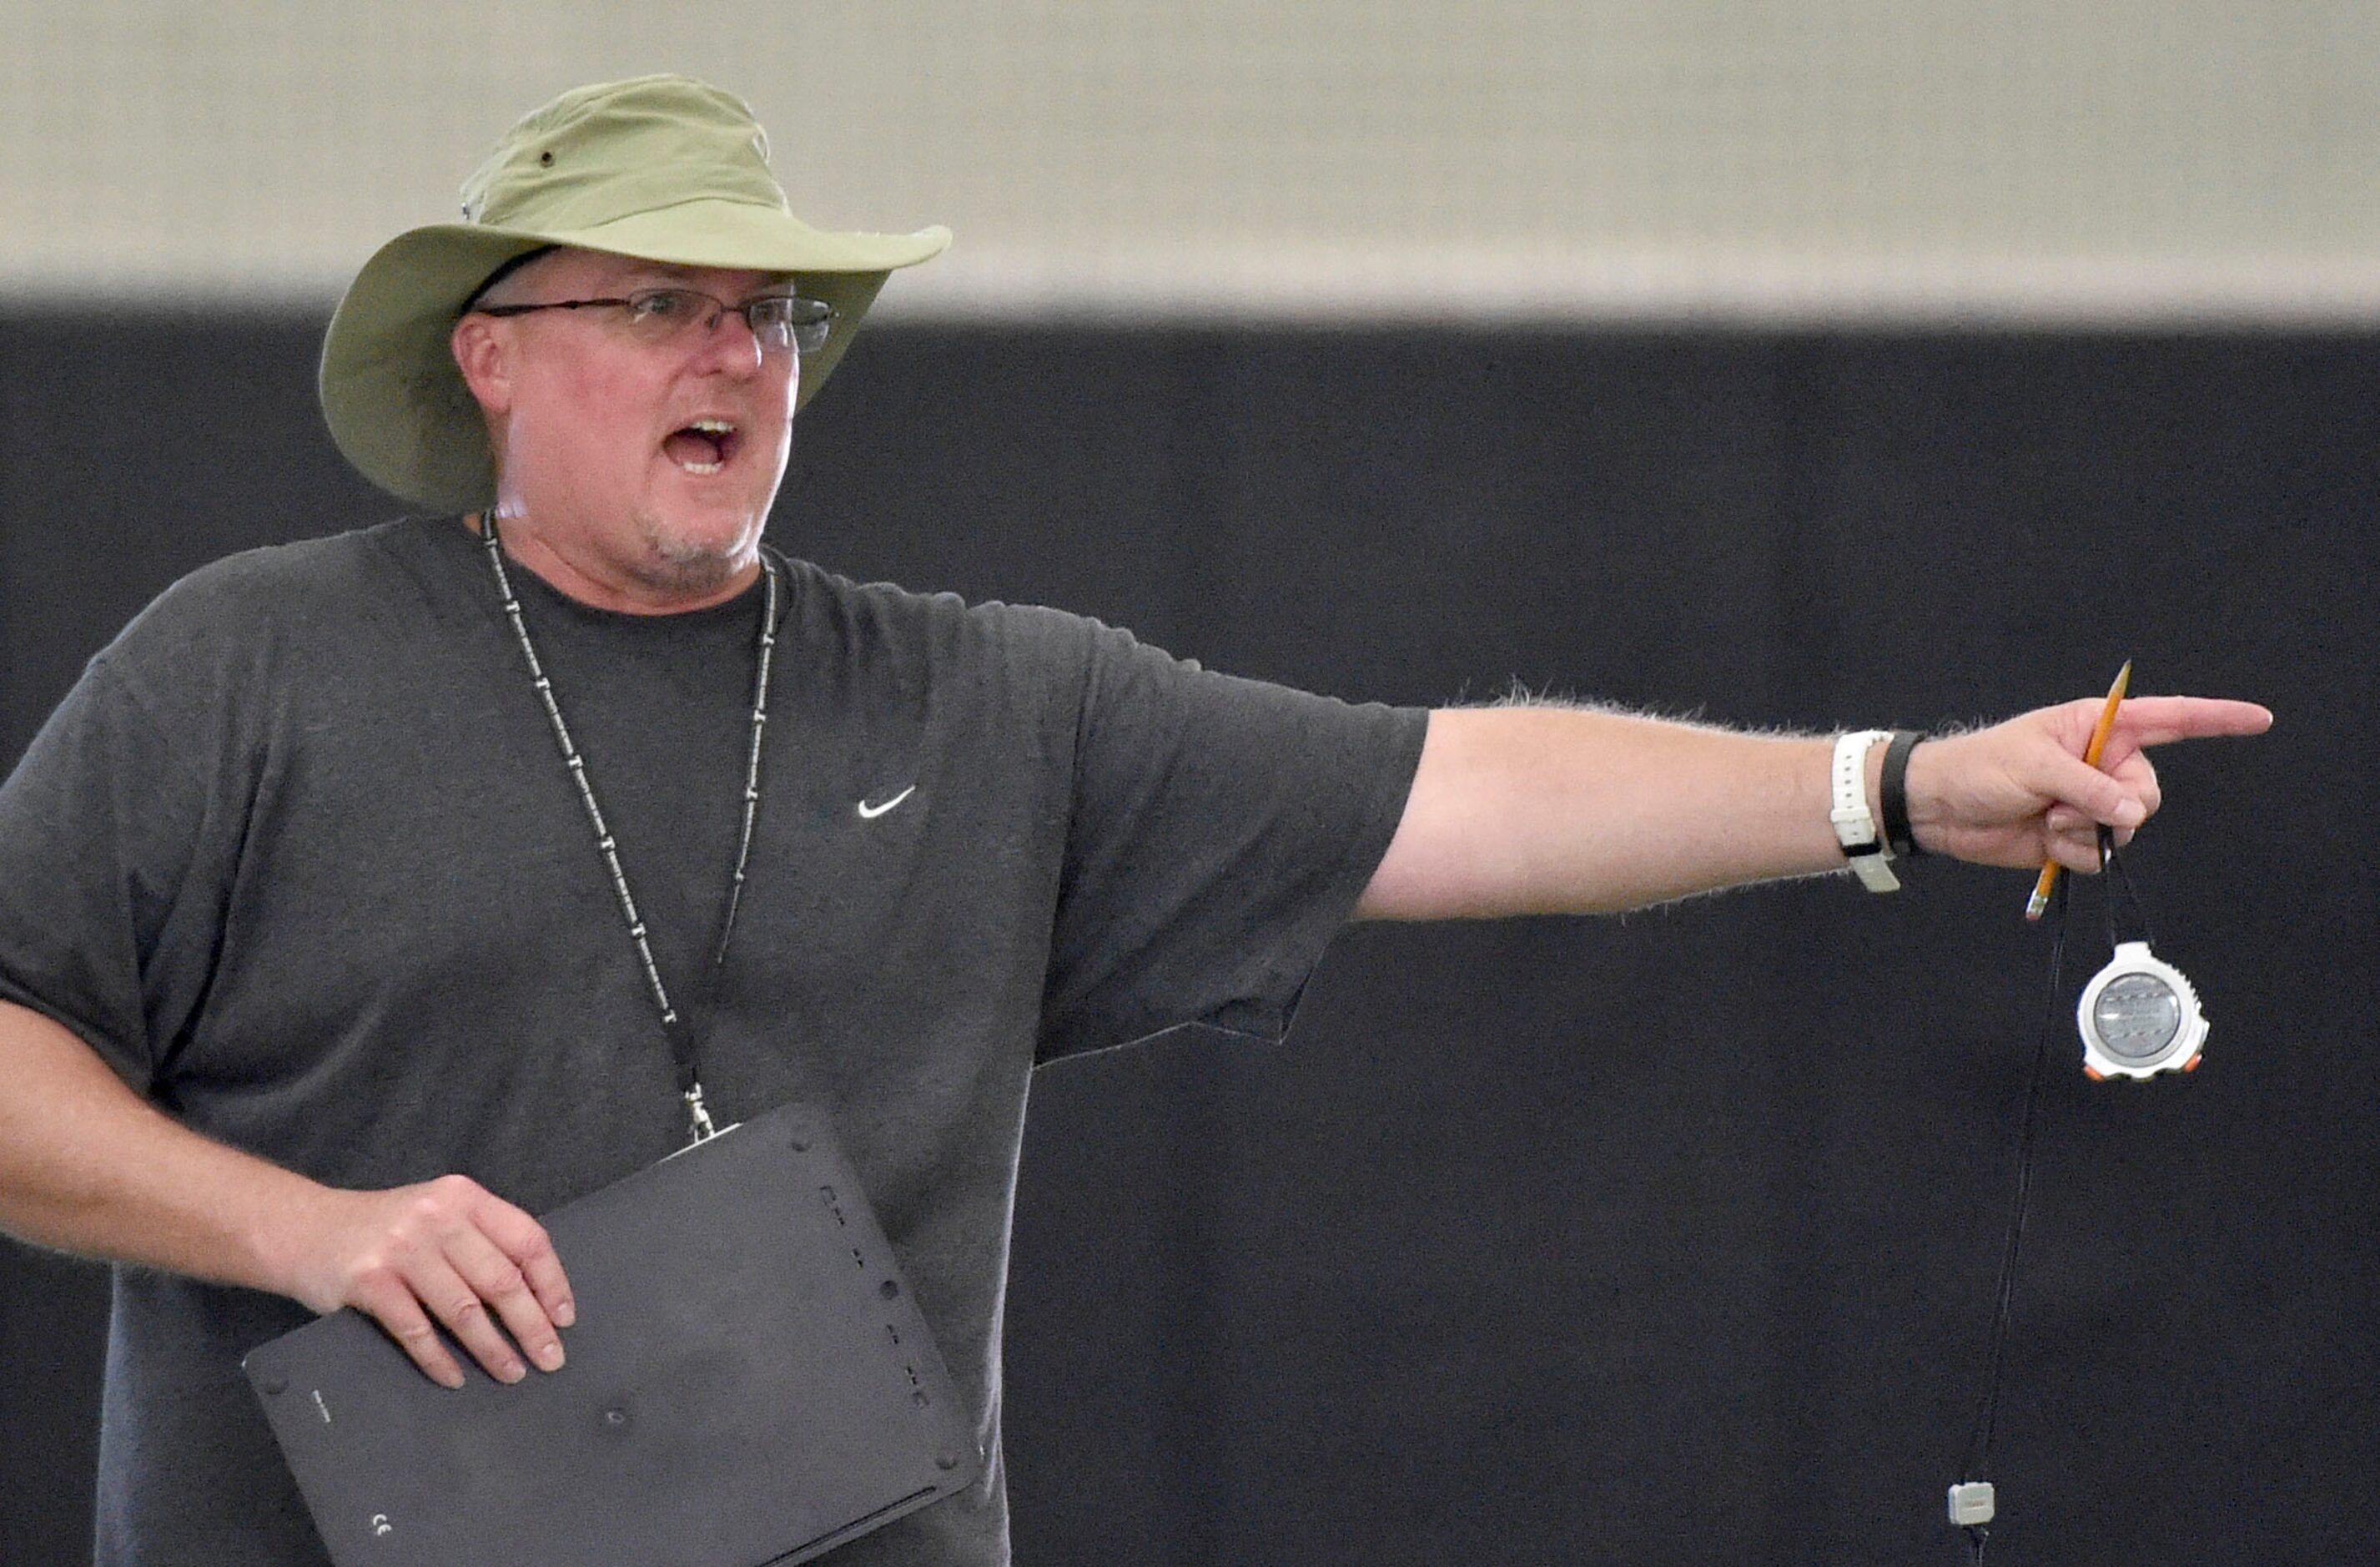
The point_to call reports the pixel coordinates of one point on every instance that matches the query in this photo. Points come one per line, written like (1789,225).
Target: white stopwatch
(2139,1017)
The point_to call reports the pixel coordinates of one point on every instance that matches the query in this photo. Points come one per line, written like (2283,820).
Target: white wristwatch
(1854,828)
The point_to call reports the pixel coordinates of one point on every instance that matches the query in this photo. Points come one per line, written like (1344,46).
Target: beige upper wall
(1838,157)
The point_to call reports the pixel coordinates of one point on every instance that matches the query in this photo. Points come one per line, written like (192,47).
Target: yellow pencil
(2042,889)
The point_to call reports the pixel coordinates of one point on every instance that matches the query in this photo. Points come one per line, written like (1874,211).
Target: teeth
(718,429)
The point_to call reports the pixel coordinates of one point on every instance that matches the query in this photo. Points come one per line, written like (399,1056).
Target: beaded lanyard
(681,1033)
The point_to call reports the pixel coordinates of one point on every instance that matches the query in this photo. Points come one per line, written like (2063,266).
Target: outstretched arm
(1543,810)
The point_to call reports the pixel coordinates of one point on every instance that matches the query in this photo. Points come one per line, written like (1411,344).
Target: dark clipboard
(749,1382)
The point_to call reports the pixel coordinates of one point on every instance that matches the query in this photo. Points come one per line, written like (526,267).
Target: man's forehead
(603,269)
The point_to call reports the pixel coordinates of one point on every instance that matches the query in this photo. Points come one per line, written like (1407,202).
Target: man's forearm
(1543,810)
(86,1166)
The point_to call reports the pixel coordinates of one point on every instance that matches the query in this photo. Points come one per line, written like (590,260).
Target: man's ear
(483,354)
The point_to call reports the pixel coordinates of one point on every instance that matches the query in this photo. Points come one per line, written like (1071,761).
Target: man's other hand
(447,1251)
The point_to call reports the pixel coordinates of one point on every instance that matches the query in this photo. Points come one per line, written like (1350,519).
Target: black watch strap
(1892,793)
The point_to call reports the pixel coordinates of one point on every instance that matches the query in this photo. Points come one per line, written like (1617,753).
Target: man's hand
(446,1250)
(2018,793)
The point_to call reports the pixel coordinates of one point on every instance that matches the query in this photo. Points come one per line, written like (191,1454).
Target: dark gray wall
(1668,1239)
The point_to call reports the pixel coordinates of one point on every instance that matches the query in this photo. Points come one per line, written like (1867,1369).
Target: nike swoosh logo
(870,813)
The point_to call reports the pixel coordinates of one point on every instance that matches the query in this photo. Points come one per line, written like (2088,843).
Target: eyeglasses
(779,322)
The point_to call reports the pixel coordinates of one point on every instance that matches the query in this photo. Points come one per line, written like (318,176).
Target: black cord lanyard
(1979,1448)
(682,1033)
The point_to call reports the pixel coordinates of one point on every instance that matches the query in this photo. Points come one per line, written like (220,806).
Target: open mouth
(703,447)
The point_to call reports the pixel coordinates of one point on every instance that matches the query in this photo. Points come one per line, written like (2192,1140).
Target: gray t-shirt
(299,857)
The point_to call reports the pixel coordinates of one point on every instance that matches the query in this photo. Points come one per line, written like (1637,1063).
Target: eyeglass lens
(778,320)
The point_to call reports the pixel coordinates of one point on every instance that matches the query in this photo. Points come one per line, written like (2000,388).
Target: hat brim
(395,403)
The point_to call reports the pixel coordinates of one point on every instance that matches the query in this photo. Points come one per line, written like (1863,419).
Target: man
(371,894)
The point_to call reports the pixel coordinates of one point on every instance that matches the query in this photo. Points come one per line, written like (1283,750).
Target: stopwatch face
(2137,1017)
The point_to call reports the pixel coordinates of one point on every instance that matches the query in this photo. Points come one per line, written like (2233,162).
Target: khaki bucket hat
(663,168)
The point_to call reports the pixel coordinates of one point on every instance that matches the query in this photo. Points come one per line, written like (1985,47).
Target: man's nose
(733,349)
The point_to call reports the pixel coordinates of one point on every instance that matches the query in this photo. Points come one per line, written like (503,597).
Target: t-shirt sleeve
(100,824)
(1222,832)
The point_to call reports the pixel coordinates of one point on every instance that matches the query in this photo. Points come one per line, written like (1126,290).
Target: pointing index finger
(2159,720)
